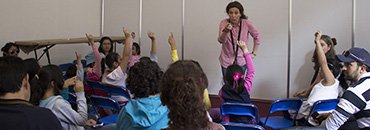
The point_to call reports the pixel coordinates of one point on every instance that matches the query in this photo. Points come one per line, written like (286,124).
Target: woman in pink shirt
(233,29)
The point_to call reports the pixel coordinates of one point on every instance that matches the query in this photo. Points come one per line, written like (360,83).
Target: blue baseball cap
(355,54)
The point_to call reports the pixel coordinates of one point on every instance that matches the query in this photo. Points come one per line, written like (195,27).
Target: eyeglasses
(349,54)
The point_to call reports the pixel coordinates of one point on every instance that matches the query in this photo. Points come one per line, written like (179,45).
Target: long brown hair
(182,88)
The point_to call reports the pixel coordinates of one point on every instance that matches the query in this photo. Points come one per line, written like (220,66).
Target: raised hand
(242,45)
(318,36)
(126,32)
(79,86)
(69,82)
(90,38)
(172,42)
(151,35)
(78,58)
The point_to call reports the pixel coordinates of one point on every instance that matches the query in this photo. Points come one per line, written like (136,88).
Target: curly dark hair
(182,88)
(143,78)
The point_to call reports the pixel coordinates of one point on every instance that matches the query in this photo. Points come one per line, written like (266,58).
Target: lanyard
(235,47)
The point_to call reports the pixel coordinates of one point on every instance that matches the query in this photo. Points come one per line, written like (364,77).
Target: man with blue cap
(356,100)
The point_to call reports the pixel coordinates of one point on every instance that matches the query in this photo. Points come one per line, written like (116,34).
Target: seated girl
(328,87)
(116,72)
(50,82)
(237,86)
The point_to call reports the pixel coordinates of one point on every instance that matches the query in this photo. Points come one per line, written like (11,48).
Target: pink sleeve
(97,66)
(250,72)
(220,29)
(254,32)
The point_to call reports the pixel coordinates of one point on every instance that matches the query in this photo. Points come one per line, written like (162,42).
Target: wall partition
(331,17)
(283,62)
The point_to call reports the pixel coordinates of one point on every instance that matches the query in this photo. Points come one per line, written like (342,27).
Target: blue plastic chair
(72,98)
(97,86)
(82,61)
(240,109)
(106,103)
(280,122)
(117,91)
(65,66)
(239,126)
(323,105)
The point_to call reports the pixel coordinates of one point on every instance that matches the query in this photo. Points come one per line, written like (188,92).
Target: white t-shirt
(117,77)
(319,92)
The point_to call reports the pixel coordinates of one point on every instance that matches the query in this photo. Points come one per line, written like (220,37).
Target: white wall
(37,19)
(331,17)
(40,19)
(362,30)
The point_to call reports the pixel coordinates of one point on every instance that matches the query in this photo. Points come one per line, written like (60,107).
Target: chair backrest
(72,98)
(324,105)
(240,109)
(285,104)
(239,126)
(117,91)
(82,61)
(96,86)
(105,102)
(65,66)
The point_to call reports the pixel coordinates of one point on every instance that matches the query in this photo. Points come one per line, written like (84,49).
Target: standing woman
(233,29)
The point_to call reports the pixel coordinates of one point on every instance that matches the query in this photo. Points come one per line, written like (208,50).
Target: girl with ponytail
(237,85)
(48,83)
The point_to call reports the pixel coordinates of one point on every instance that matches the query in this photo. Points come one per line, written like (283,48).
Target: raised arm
(153,51)
(224,29)
(80,69)
(328,77)
(67,114)
(126,50)
(172,42)
(97,57)
(250,67)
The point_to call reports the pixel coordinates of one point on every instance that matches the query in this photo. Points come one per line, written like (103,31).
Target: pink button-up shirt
(227,53)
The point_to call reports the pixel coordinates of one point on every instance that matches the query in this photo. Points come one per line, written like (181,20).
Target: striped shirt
(355,101)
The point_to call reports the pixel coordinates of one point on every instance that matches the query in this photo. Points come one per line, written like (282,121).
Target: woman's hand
(228,27)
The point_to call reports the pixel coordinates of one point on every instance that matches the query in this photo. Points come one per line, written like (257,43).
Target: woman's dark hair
(42,82)
(111,58)
(101,44)
(182,88)
(7,46)
(32,67)
(236,4)
(143,78)
(330,55)
(137,46)
(229,80)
